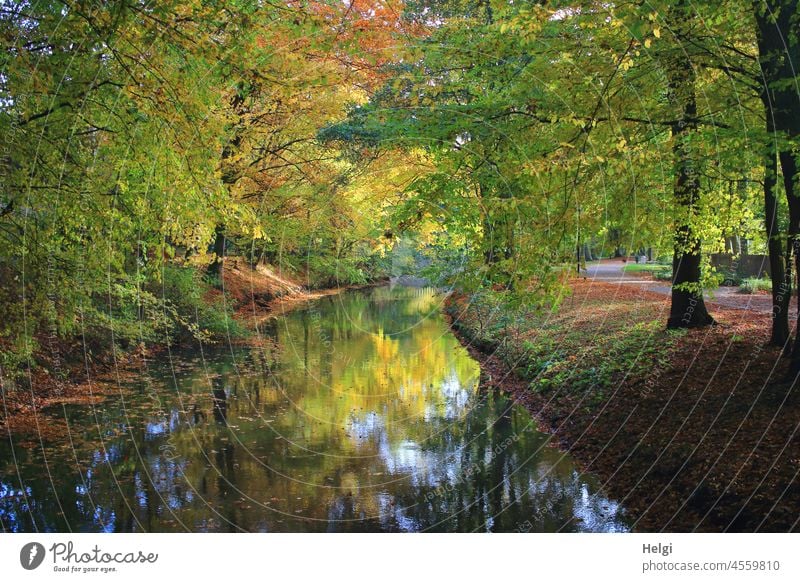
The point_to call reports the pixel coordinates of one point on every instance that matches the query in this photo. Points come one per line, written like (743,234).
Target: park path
(610,271)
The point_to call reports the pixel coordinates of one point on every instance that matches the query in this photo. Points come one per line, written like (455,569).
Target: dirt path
(611,271)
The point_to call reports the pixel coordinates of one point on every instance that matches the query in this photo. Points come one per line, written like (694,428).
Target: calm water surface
(366,416)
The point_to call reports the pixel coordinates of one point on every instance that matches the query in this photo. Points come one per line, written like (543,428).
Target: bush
(182,306)
(15,358)
(329,271)
(197,312)
(753,285)
(730,278)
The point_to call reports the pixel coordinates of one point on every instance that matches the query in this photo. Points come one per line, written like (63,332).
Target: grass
(658,271)
(645,268)
(594,340)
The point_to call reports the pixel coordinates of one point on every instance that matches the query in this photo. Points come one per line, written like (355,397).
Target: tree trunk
(587,253)
(230,173)
(688,308)
(778,55)
(781,278)
(215,268)
(789,169)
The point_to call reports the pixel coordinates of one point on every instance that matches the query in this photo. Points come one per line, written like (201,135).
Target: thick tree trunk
(781,278)
(688,308)
(230,173)
(789,169)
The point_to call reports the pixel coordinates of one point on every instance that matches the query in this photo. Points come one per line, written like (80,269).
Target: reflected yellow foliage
(369,420)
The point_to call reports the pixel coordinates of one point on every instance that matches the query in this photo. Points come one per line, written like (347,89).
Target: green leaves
(504,135)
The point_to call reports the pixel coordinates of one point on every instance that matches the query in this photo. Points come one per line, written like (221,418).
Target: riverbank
(690,431)
(68,372)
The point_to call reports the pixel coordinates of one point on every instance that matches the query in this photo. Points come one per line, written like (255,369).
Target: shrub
(753,285)
(328,271)
(14,359)
(730,278)
(181,306)
(196,311)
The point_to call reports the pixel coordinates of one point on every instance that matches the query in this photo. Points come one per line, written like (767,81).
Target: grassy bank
(183,310)
(689,430)
(590,344)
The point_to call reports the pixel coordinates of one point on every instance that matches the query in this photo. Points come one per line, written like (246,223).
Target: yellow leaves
(528,21)
(258,232)
(626,63)
(652,17)
(621,144)
(656,33)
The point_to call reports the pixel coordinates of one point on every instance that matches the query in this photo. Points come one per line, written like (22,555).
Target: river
(358,412)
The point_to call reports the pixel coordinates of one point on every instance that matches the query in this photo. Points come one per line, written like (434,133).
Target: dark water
(365,417)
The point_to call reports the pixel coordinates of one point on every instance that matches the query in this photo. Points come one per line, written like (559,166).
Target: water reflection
(366,418)
(219,400)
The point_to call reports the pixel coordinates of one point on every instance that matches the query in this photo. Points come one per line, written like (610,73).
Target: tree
(779,53)
(688,307)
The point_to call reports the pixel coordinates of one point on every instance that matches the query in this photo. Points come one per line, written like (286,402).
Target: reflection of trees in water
(219,400)
(359,438)
(487,469)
